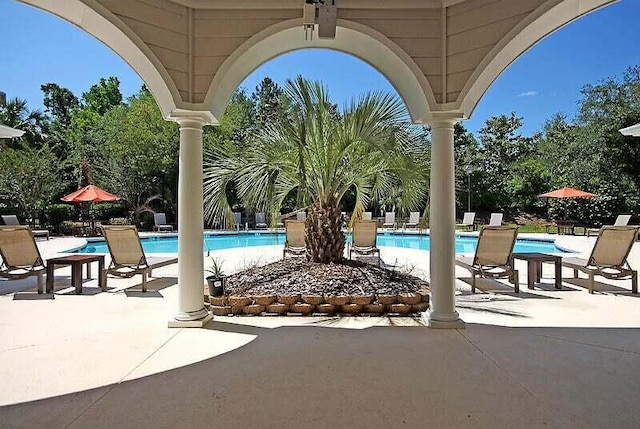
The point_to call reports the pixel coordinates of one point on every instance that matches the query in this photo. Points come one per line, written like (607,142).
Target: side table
(76,262)
(534,267)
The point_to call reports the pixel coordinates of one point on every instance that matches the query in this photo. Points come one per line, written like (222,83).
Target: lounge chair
(414,220)
(621,220)
(261,220)
(295,243)
(20,255)
(366,216)
(127,255)
(608,257)
(160,223)
(494,256)
(13,220)
(467,221)
(389,220)
(365,233)
(237,220)
(301,216)
(496,219)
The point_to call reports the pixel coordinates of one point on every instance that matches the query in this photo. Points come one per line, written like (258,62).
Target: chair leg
(40,282)
(634,282)
(144,281)
(516,281)
(591,281)
(473,282)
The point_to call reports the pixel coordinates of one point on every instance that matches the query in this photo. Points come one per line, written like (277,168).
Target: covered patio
(440,55)
(553,358)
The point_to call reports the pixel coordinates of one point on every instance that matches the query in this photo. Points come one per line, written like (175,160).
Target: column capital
(192,118)
(444,119)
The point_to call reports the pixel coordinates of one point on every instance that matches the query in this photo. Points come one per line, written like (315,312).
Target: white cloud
(529,94)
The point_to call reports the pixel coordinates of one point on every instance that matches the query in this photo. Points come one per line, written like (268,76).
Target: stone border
(295,305)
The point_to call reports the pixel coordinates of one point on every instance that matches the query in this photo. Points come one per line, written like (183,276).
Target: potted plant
(215,279)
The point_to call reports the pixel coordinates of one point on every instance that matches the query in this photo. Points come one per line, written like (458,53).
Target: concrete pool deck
(541,358)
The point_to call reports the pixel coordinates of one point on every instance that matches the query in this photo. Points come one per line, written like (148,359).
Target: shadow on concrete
(500,288)
(599,287)
(381,377)
(154,286)
(32,296)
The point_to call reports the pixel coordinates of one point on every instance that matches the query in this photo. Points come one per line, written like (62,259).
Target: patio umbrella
(87,195)
(8,132)
(633,130)
(567,192)
(90,194)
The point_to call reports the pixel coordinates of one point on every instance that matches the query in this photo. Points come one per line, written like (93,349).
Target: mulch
(295,276)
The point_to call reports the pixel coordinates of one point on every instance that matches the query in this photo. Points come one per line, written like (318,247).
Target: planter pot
(216,285)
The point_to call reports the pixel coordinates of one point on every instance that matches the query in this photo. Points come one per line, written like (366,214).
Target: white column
(442,313)
(191,311)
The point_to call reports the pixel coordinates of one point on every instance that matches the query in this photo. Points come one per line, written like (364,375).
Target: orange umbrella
(567,193)
(90,194)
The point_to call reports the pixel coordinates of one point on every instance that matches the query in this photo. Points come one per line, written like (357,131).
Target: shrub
(57,214)
(104,211)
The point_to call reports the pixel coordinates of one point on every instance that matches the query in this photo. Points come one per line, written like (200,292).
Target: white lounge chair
(621,220)
(496,219)
(12,220)
(237,220)
(261,220)
(389,220)
(160,223)
(414,220)
(467,220)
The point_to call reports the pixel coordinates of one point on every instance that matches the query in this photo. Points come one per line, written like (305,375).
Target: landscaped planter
(403,304)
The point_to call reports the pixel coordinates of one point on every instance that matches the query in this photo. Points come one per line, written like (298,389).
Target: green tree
(103,96)
(267,99)
(317,155)
(501,147)
(29,178)
(59,102)
(139,154)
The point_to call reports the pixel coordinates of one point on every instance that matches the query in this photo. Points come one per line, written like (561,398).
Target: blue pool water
(464,244)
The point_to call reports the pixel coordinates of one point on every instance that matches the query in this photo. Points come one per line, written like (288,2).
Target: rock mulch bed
(297,287)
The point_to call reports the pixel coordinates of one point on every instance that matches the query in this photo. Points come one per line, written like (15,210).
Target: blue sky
(38,48)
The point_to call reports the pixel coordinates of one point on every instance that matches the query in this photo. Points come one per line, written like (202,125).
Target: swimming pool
(464,244)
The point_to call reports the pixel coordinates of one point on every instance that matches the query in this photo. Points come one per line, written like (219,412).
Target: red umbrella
(90,194)
(567,193)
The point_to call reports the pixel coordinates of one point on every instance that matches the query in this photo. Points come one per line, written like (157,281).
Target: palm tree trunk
(324,238)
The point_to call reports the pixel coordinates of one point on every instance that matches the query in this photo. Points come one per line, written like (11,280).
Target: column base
(454,323)
(196,319)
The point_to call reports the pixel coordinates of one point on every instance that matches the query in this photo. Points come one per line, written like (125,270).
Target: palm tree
(16,115)
(316,154)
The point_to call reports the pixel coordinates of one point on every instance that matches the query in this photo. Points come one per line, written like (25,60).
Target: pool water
(464,244)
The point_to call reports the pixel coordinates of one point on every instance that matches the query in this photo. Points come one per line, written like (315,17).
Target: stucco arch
(546,19)
(351,38)
(93,18)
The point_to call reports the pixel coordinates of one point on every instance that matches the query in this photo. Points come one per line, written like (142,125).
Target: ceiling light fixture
(321,12)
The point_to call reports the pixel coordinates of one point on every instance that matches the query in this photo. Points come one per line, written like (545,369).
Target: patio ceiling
(441,55)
